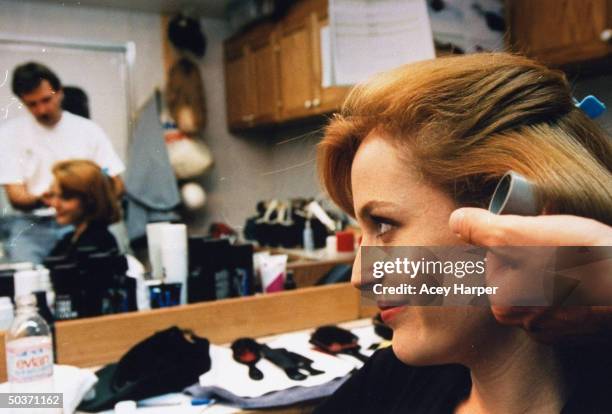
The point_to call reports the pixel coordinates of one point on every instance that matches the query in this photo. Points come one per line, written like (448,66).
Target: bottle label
(63,308)
(29,359)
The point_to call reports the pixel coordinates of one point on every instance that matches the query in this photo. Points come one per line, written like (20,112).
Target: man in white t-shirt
(31,144)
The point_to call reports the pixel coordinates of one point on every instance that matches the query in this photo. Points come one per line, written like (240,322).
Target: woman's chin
(420,352)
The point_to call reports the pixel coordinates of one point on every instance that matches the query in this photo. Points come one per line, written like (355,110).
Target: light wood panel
(307,273)
(296,74)
(3,376)
(241,102)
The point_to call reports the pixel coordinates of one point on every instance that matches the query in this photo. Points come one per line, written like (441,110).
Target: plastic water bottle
(307,237)
(29,349)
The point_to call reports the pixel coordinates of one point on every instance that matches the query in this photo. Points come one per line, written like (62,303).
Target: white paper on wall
(368,37)
(327,70)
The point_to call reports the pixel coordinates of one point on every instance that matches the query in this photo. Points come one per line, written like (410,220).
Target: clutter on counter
(222,380)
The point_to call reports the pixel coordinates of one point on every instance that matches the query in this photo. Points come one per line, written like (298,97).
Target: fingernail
(455,220)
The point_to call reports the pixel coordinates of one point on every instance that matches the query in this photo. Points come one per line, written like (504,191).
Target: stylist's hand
(47,198)
(548,324)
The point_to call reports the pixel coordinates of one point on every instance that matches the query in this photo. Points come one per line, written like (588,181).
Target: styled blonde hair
(83,179)
(469,119)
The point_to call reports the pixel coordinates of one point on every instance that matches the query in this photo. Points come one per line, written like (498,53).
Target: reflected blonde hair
(83,179)
(466,121)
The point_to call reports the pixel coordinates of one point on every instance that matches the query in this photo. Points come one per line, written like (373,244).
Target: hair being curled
(469,119)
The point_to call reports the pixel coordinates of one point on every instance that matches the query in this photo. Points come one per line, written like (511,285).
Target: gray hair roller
(514,194)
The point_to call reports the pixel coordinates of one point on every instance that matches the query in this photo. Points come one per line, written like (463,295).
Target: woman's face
(67,210)
(394,206)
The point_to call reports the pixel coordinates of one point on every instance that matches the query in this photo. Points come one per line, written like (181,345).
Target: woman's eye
(383,226)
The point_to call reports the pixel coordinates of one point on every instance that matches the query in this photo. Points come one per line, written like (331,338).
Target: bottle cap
(26,281)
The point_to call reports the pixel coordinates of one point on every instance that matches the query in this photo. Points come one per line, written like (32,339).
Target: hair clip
(591,106)
(105,171)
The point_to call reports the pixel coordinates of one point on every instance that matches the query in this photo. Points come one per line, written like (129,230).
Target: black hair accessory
(247,351)
(303,363)
(335,340)
(281,359)
(185,33)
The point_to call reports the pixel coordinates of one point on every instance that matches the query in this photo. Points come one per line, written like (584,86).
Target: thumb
(477,226)
(483,228)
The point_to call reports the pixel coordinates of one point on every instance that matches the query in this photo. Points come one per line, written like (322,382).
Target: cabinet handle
(248,118)
(316,102)
(606,35)
(308,104)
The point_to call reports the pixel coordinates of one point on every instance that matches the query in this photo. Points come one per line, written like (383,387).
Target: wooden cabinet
(561,32)
(274,73)
(251,79)
(238,89)
(265,80)
(296,68)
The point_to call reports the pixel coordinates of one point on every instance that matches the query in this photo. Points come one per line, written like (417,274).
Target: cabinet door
(264,60)
(326,99)
(560,31)
(238,89)
(296,75)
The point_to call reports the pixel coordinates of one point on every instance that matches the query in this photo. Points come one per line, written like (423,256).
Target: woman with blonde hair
(83,196)
(412,145)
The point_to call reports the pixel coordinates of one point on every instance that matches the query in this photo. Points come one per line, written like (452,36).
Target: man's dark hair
(28,77)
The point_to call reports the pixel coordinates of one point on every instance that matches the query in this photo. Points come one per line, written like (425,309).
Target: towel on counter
(151,189)
(282,398)
(230,381)
(232,376)
(71,381)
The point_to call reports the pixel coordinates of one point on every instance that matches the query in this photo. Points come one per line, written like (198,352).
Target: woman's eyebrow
(366,209)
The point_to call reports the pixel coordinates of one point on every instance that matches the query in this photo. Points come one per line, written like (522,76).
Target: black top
(386,385)
(96,236)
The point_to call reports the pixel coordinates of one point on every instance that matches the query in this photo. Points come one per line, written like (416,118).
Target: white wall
(247,168)
(86,24)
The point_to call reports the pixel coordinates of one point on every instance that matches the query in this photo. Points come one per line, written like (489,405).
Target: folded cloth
(282,398)
(71,381)
(165,362)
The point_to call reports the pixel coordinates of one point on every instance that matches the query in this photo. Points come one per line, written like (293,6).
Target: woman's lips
(387,313)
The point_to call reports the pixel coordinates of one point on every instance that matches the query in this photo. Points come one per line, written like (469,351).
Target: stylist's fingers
(480,227)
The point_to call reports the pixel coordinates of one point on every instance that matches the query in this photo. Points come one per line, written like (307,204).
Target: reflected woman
(408,148)
(83,197)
